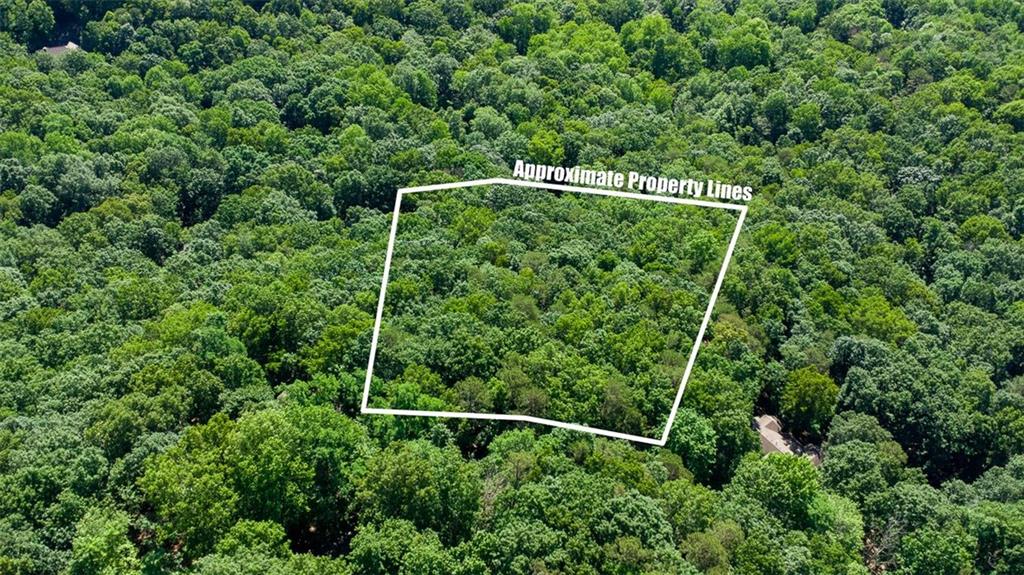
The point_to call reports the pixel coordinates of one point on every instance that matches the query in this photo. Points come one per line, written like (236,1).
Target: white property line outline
(365,408)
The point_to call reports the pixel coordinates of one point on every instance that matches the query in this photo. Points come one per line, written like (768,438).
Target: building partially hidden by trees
(60,49)
(773,440)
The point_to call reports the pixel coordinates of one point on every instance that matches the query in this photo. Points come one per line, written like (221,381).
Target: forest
(194,213)
(568,306)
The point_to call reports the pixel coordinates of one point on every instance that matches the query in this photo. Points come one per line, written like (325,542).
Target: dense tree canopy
(576,308)
(193,221)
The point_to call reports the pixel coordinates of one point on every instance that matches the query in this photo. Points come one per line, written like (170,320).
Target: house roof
(773,440)
(58,50)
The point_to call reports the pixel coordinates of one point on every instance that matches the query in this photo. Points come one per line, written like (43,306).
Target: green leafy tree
(396,546)
(546,147)
(523,21)
(191,488)
(694,439)
(30,22)
(429,486)
(785,484)
(809,401)
(102,546)
(946,551)
(654,45)
(746,45)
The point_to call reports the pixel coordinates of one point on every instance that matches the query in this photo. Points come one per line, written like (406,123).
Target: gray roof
(58,50)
